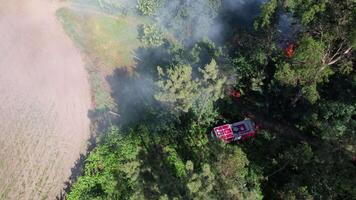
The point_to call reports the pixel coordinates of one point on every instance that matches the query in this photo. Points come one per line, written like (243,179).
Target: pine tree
(177,87)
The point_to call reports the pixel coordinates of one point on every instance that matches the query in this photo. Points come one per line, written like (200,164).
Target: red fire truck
(242,130)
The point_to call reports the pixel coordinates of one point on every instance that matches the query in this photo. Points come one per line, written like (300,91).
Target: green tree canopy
(306,69)
(178,87)
(151,35)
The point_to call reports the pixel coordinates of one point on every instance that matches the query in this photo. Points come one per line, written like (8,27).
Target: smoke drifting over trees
(191,20)
(205,63)
(188,20)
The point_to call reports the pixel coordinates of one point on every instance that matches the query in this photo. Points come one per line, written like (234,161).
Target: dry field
(44,101)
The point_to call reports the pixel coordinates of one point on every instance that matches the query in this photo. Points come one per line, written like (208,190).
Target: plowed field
(44,101)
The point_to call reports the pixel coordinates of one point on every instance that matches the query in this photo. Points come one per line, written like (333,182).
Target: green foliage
(151,35)
(328,20)
(352,37)
(178,88)
(111,170)
(293,192)
(248,76)
(197,138)
(233,166)
(309,15)
(212,81)
(311,93)
(148,7)
(331,120)
(286,74)
(175,161)
(257,82)
(315,174)
(346,67)
(200,185)
(204,51)
(298,162)
(307,61)
(187,20)
(306,69)
(306,9)
(268,12)
(309,53)
(235,174)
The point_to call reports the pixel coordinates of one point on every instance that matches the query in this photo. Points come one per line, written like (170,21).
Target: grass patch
(101,95)
(108,40)
(108,6)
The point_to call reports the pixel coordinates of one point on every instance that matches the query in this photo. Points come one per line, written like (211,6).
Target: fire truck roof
(224,132)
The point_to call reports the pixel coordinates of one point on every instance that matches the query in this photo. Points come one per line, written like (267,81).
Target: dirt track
(44,100)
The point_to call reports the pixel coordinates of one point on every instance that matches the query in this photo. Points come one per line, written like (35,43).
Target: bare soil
(44,101)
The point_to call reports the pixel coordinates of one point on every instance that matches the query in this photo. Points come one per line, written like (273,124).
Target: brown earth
(44,101)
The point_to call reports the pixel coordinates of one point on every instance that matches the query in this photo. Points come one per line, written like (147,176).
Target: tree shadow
(157,178)
(132,93)
(147,60)
(133,88)
(100,122)
(78,169)
(241,12)
(236,14)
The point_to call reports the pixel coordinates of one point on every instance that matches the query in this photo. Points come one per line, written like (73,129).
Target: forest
(292,65)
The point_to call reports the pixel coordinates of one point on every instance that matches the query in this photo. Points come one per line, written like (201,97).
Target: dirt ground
(44,101)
